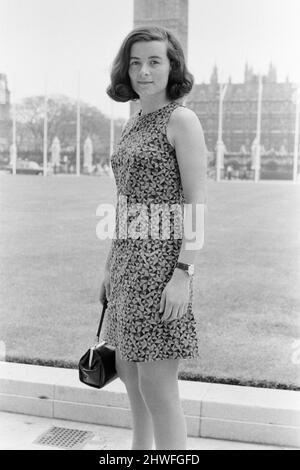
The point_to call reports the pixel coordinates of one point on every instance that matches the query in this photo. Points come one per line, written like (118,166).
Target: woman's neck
(151,103)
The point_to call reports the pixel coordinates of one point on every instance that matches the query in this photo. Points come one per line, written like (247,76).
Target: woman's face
(149,67)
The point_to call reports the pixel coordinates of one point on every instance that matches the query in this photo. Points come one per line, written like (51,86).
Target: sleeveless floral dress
(147,175)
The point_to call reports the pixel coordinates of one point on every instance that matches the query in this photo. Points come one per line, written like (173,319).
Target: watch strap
(183,266)
(188,268)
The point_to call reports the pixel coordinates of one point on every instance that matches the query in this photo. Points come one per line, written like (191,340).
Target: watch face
(191,270)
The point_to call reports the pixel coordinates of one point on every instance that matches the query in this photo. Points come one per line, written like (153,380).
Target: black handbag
(97,367)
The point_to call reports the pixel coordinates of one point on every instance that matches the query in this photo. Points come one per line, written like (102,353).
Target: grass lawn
(246,297)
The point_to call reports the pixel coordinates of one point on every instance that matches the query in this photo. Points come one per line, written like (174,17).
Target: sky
(50,43)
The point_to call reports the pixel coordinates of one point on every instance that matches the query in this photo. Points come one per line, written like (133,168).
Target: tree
(62,115)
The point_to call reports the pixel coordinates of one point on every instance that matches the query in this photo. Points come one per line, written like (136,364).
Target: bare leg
(142,422)
(159,386)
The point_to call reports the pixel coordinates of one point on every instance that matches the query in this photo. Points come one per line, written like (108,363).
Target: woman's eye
(154,62)
(135,62)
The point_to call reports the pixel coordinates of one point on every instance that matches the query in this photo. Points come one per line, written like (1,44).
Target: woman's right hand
(105,287)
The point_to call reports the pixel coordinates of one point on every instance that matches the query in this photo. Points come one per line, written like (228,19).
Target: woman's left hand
(175,297)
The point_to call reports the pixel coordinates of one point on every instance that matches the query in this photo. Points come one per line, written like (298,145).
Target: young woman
(160,161)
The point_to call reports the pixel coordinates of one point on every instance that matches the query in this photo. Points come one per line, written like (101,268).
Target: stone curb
(245,414)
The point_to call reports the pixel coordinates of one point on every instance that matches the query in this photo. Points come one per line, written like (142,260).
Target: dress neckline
(139,115)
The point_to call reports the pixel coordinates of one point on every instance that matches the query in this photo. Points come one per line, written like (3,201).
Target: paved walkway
(20,431)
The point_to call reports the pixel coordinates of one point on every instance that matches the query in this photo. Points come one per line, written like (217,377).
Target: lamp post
(78,128)
(258,131)
(112,136)
(220,144)
(296,141)
(112,128)
(13,149)
(45,146)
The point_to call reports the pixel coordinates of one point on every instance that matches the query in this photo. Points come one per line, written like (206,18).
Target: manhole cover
(64,437)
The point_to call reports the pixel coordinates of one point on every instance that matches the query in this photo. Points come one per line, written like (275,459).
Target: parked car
(26,167)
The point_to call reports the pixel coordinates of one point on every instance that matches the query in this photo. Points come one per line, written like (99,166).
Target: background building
(240,116)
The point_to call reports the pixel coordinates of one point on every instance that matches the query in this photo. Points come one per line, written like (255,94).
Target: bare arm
(188,139)
(186,135)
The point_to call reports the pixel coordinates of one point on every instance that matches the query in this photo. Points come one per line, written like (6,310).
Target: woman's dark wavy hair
(180,80)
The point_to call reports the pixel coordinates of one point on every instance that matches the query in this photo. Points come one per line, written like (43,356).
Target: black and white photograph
(149,228)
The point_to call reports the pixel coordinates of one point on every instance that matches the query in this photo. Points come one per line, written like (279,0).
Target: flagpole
(78,128)
(296,141)
(45,147)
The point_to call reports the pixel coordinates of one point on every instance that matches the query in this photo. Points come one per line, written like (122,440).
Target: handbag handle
(102,316)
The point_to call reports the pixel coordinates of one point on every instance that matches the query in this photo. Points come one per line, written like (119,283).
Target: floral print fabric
(146,172)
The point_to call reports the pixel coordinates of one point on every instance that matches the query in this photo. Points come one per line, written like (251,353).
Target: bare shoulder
(183,116)
(183,121)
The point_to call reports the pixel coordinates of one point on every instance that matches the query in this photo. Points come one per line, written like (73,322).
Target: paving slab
(227,412)
(20,431)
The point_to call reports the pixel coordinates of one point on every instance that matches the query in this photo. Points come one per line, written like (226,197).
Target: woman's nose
(144,70)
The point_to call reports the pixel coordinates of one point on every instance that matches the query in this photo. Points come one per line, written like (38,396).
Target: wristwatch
(188,268)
